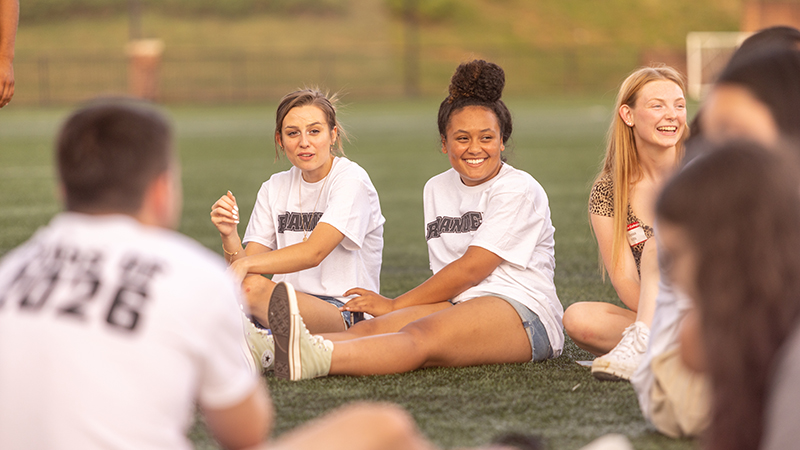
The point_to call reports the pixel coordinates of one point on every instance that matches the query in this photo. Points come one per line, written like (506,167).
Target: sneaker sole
(282,305)
(607,374)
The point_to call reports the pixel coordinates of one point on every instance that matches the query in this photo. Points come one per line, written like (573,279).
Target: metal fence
(241,78)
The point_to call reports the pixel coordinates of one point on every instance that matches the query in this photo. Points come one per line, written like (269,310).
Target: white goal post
(707,53)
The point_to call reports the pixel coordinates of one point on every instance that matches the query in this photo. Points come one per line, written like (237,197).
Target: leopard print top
(601,203)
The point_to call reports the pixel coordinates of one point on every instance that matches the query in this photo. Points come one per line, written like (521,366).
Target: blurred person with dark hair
(9,20)
(768,39)
(754,99)
(756,96)
(777,37)
(729,235)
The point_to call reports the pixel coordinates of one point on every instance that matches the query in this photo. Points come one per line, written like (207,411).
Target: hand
(225,215)
(6,83)
(368,302)
(239,270)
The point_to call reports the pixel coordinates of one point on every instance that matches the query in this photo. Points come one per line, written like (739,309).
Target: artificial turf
(560,142)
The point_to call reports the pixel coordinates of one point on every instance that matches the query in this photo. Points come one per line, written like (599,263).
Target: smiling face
(306,139)
(731,111)
(658,116)
(473,144)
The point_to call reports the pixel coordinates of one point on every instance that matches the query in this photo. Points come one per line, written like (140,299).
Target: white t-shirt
(509,216)
(288,207)
(110,333)
(671,308)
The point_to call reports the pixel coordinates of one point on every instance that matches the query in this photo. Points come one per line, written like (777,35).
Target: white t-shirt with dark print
(508,215)
(288,207)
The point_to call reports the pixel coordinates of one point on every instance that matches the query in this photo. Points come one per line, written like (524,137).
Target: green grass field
(559,142)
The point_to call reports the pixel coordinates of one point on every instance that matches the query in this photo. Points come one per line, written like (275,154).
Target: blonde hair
(621,163)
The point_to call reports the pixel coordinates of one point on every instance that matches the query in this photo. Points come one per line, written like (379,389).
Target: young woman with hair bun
(491,298)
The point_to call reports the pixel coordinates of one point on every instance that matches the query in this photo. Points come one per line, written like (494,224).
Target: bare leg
(359,426)
(318,315)
(388,323)
(596,326)
(485,330)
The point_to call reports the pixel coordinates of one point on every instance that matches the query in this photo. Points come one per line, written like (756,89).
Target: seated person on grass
(317,225)
(491,298)
(645,145)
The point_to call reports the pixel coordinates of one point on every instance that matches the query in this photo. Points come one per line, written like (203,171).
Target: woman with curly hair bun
(491,298)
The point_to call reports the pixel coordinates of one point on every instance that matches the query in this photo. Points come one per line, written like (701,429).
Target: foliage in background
(44,10)
(429,10)
(238,52)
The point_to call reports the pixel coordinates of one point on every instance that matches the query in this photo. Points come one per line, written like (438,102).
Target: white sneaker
(622,360)
(261,345)
(298,354)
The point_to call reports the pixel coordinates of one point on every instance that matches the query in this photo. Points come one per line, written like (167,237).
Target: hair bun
(478,79)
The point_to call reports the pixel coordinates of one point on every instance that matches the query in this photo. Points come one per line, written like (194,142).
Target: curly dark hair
(739,206)
(477,83)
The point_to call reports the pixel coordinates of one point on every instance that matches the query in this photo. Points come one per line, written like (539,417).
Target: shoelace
(633,342)
(319,341)
(316,340)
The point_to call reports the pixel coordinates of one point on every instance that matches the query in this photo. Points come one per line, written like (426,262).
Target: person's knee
(577,322)
(256,290)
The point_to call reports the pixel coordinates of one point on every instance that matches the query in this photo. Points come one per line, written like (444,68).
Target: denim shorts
(349,318)
(537,334)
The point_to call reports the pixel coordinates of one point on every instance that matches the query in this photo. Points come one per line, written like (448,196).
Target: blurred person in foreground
(754,98)
(729,239)
(112,325)
(9,19)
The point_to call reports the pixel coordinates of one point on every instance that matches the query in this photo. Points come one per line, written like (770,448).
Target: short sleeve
(226,377)
(513,224)
(351,210)
(601,199)
(261,227)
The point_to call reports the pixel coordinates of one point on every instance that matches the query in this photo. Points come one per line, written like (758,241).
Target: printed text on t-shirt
(468,222)
(292,221)
(70,282)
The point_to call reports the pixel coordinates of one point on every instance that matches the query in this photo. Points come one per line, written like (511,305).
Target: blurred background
(240,51)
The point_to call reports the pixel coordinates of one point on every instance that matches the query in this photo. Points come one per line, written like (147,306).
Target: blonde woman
(645,144)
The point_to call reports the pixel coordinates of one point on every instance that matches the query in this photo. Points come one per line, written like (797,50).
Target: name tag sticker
(636,234)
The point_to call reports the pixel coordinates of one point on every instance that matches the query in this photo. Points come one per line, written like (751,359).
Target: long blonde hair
(621,162)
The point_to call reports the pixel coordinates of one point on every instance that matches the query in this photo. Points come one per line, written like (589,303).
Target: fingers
(6,94)
(225,208)
(355,305)
(357,291)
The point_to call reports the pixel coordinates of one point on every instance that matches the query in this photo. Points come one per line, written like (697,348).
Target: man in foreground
(113,326)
